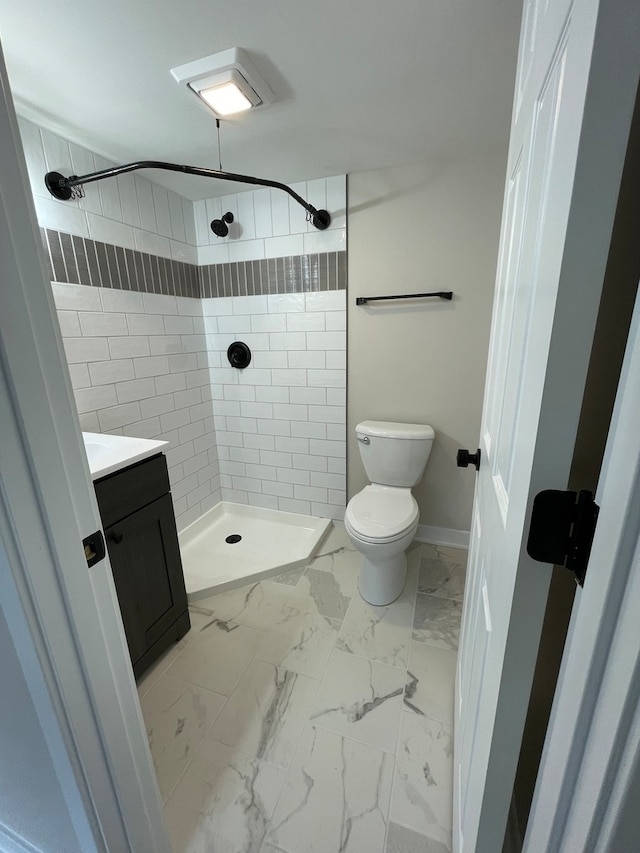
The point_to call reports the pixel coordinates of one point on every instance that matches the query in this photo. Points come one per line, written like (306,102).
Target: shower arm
(61,187)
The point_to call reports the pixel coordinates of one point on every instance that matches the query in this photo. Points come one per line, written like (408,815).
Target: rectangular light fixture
(226,93)
(227,82)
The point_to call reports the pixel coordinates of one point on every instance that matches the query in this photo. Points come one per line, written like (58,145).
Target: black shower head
(220,227)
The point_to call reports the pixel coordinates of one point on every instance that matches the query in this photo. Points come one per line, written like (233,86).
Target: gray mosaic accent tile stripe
(294,274)
(79,260)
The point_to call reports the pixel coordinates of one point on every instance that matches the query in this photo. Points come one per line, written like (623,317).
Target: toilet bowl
(382,519)
(381,522)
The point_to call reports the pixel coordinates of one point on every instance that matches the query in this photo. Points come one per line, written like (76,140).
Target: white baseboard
(443,536)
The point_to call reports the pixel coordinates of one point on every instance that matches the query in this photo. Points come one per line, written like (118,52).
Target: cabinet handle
(116,537)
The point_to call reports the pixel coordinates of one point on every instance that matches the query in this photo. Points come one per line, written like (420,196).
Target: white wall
(413,229)
(127,211)
(280,424)
(270,224)
(139,366)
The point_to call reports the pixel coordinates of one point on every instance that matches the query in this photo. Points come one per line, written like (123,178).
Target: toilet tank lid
(387,429)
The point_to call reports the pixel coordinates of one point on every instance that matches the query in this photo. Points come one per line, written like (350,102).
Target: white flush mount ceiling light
(227,82)
(227,93)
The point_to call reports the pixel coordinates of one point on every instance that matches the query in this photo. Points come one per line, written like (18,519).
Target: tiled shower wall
(280,423)
(152,361)
(270,224)
(154,365)
(151,365)
(128,211)
(134,213)
(139,366)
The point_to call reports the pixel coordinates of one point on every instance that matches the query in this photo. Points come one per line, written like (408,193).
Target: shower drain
(235,537)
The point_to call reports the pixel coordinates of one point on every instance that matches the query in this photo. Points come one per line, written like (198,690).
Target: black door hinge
(562,529)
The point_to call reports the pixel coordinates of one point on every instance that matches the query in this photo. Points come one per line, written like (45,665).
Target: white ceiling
(360,84)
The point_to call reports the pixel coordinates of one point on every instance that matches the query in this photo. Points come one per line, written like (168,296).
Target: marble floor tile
(335,798)
(336,539)
(377,633)
(223,803)
(321,683)
(152,675)
(437,621)
(302,644)
(289,577)
(266,713)
(344,563)
(360,699)
(327,590)
(217,656)
(262,605)
(400,839)
(155,672)
(414,553)
(200,617)
(430,683)
(423,779)
(177,716)
(268,605)
(442,571)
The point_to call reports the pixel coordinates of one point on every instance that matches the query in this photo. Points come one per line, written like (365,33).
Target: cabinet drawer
(124,492)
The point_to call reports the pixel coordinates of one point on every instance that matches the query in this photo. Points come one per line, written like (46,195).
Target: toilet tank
(394,454)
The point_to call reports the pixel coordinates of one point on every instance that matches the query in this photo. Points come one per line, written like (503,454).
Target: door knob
(464,459)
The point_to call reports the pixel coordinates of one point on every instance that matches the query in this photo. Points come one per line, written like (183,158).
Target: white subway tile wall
(132,212)
(270,224)
(154,365)
(281,434)
(139,366)
(271,435)
(127,211)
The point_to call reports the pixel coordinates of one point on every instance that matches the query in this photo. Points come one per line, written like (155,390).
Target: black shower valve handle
(239,355)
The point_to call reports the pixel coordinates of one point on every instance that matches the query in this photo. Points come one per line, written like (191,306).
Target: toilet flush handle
(363,438)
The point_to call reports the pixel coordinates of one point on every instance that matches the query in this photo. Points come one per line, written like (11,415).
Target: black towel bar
(443,294)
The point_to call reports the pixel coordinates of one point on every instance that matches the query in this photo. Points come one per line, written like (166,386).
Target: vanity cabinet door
(143,549)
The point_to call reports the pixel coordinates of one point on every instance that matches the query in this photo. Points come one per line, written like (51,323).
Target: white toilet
(382,519)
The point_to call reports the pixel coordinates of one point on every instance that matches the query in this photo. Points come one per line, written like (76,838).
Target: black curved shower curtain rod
(61,187)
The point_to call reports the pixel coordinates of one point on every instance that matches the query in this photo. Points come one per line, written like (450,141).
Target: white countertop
(110,453)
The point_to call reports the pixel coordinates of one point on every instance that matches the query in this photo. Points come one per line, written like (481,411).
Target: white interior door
(586,796)
(576,83)
(70,678)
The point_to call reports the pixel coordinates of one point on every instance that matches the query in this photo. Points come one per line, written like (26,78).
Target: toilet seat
(381,513)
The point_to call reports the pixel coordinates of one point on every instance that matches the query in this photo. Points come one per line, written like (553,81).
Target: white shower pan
(271,542)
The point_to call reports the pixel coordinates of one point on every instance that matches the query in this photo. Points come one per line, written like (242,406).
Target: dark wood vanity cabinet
(141,537)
